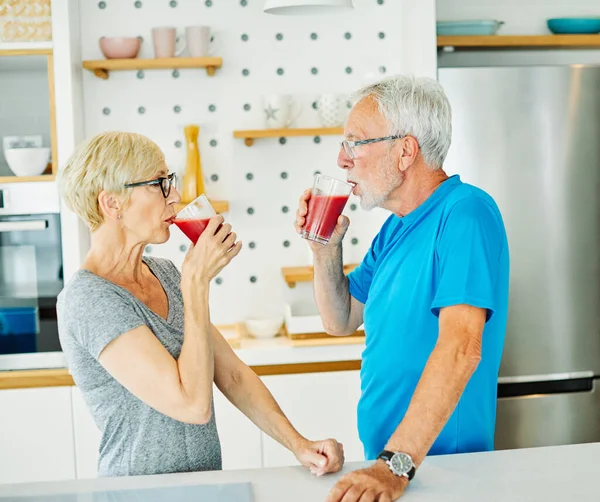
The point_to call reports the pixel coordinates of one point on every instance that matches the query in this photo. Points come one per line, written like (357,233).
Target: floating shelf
(250,135)
(26,179)
(102,67)
(220,206)
(292,275)
(519,41)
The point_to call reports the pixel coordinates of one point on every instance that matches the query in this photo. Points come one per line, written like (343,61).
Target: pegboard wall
(262,55)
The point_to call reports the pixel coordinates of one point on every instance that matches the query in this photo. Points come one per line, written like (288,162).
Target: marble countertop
(561,473)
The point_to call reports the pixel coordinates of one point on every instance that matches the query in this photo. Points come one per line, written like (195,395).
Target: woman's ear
(110,205)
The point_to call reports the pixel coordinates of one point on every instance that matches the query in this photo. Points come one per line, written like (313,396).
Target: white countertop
(252,352)
(565,473)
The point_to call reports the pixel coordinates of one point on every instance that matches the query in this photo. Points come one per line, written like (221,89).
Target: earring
(118,216)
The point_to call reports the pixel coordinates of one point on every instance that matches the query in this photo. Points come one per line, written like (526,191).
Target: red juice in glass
(192,228)
(327,201)
(193,218)
(323,213)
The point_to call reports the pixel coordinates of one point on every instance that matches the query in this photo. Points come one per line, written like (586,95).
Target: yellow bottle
(193,179)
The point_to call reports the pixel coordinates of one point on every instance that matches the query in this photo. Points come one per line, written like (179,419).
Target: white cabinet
(320,406)
(87,438)
(240,438)
(36,435)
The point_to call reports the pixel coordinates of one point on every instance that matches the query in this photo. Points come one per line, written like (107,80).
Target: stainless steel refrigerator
(530,136)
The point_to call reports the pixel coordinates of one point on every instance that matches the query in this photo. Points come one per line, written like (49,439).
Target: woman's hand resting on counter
(320,457)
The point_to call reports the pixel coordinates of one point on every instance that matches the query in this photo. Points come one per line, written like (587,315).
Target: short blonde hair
(107,161)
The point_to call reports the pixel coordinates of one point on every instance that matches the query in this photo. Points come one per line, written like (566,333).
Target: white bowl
(263,328)
(27,161)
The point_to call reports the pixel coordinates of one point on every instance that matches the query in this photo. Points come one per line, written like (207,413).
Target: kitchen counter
(537,474)
(266,357)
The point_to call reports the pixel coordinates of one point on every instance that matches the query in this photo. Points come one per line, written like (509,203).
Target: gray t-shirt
(136,439)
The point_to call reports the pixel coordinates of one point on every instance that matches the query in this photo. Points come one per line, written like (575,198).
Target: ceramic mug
(165,42)
(199,41)
(331,109)
(280,110)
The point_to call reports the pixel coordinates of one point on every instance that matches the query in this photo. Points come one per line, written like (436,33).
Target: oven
(31,275)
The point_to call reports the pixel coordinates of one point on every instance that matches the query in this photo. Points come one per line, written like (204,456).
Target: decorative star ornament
(270,111)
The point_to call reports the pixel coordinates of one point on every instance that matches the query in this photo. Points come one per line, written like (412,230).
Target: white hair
(418,107)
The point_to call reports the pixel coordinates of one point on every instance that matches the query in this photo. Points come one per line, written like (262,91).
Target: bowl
(574,25)
(476,27)
(120,47)
(27,161)
(263,328)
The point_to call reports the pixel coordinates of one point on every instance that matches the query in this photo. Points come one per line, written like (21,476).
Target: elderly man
(432,290)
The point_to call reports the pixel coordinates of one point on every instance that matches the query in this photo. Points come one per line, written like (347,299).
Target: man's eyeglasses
(350,145)
(165,183)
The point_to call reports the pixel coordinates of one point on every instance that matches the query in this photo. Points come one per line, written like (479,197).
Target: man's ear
(409,150)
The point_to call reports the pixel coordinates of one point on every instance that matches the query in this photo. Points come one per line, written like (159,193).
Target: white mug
(165,42)
(279,111)
(199,41)
(331,108)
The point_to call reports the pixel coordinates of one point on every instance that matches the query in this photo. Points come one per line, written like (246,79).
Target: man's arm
(341,313)
(449,367)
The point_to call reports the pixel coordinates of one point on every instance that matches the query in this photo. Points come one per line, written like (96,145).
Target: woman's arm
(246,391)
(180,389)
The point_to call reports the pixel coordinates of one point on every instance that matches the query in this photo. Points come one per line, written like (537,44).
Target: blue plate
(483,27)
(574,25)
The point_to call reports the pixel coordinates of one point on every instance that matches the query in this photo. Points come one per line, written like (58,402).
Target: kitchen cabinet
(241,440)
(320,406)
(36,435)
(87,438)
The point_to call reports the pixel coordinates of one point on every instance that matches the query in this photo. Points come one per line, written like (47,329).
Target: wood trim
(300,368)
(26,179)
(53,137)
(35,378)
(250,135)
(29,379)
(25,52)
(101,67)
(519,41)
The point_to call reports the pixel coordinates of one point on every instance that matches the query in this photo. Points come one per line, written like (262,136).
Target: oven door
(31,277)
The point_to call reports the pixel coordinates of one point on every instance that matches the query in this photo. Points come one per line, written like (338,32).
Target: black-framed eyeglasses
(165,183)
(350,145)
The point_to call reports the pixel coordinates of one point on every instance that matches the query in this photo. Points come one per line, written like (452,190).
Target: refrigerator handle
(512,387)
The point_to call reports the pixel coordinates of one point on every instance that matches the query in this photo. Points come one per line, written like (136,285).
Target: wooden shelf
(293,275)
(26,179)
(102,67)
(519,41)
(220,206)
(250,135)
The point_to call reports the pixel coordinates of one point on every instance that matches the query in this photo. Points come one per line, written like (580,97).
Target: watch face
(401,463)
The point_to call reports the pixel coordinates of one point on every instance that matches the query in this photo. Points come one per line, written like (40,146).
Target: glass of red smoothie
(326,203)
(194,217)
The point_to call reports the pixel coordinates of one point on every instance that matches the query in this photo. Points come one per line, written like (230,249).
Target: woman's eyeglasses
(165,183)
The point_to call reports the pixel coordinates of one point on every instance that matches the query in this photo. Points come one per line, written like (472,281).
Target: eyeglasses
(350,145)
(165,184)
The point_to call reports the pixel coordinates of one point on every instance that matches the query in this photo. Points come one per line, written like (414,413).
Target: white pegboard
(349,51)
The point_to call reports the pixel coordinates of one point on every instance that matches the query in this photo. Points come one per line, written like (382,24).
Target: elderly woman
(137,334)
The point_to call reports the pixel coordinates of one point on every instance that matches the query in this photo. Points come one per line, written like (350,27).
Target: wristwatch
(399,463)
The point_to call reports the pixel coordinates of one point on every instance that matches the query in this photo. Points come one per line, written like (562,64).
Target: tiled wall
(262,54)
(24,101)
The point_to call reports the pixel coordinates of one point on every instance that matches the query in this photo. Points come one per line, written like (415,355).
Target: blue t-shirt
(450,250)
